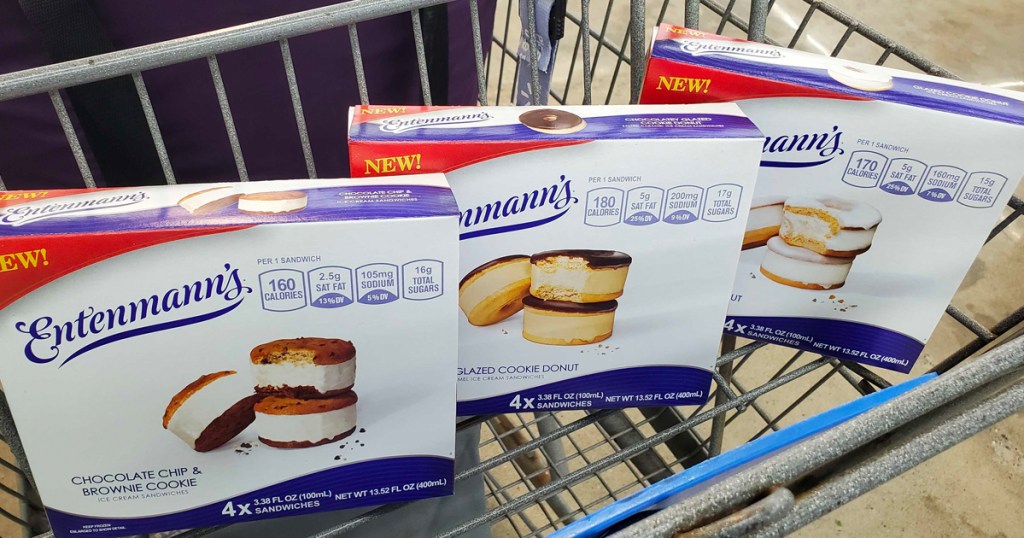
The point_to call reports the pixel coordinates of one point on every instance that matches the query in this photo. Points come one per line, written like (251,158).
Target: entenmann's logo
(94,327)
(540,206)
(25,213)
(822,148)
(403,124)
(698,48)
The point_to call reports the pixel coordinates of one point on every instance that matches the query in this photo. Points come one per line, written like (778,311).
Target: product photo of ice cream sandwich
(859,78)
(284,422)
(563,323)
(272,203)
(304,367)
(799,267)
(829,226)
(495,290)
(764,221)
(209,200)
(579,276)
(211,410)
(552,121)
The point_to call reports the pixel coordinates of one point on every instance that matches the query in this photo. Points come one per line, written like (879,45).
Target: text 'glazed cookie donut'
(304,367)
(579,276)
(764,221)
(829,226)
(552,121)
(562,323)
(799,267)
(284,422)
(494,291)
(211,410)
(272,203)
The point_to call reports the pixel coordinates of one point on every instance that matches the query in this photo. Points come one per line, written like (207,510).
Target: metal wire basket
(545,470)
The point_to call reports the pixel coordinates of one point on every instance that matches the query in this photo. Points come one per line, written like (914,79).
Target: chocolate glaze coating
(488,265)
(594,258)
(570,308)
(549,118)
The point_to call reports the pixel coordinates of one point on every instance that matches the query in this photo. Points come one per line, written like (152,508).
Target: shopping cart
(545,470)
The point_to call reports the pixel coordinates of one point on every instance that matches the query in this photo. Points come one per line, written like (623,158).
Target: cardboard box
(194,355)
(598,243)
(877,189)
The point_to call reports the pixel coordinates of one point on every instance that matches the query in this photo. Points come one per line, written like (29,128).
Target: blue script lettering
(47,336)
(826,145)
(557,197)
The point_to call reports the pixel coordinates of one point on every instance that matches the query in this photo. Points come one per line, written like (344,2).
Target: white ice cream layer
(570,284)
(323,378)
(815,228)
(271,206)
(206,405)
(312,427)
(768,216)
(825,275)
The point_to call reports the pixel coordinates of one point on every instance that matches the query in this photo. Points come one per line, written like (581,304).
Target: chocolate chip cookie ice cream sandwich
(799,267)
(563,323)
(209,200)
(284,422)
(552,121)
(304,367)
(211,410)
(579,276)
(764,221)
(495,290)
(860,78)
(272,203)
(829,226)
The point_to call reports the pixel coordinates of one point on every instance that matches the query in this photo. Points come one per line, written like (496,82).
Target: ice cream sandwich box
(193,355)
(598,244)
(877,189)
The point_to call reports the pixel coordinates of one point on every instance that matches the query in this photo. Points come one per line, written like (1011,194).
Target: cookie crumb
(362,430)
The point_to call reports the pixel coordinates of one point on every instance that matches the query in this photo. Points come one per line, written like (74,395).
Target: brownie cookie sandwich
(304,367)
(209,200)
(284,422)
(211,410)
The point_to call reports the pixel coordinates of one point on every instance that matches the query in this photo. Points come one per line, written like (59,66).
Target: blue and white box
(196,355)
(598,243)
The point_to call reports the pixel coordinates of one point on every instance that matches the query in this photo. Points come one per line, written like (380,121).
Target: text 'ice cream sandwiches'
(211,410)
(764,221)
(495,290)
(304,367)
(563,323)
(579,276)
(284,422)
(829,226)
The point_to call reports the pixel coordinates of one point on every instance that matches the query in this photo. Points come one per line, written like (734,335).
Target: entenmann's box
(877,189)
(598,243)
(195,355)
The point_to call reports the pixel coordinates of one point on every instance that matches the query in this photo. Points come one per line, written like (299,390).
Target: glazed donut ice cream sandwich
(563,323)
(495,290)
(209,200)
(829,226)
(272,203)
(552,121)
(859,78)
(211,410)
(799,267)
(578,276)
(304,367)
(284,422)
(764,221)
